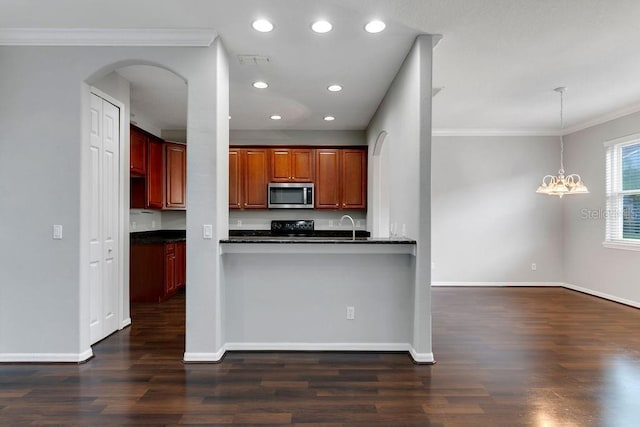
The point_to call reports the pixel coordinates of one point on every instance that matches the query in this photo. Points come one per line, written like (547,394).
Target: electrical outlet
(153,223)
(534,267)
(207,231)
(133,225)
(357,224)
(239,223)
(351,312)
(433,265)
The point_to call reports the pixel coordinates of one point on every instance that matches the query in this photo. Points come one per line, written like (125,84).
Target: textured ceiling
(498,61)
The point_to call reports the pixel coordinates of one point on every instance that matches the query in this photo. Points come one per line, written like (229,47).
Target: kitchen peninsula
(318,291)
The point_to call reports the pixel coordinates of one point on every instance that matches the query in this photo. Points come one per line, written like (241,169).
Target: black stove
(300,227)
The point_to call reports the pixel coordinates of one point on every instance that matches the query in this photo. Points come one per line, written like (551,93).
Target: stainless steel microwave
(291,195)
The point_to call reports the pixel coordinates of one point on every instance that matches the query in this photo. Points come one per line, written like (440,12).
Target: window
(623,193)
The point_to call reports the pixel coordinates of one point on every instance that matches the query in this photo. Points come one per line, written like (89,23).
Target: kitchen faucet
(353,225)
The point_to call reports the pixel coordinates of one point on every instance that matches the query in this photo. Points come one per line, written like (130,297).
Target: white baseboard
(126,322)
(303,346)
(426,358)
(498,284)
(601,295)
(46,357)
(204,357)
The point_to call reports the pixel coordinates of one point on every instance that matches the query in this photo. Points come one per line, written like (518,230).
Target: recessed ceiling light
(321,26)
(329,118)
(334,88)
(374,27)
(275,117)
(260,85)
(262,25)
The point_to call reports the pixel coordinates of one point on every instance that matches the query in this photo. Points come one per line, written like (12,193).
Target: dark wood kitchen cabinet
(327,185)
(235,185)
(157,270)
(292,165)
(169,268)
(354,179)
(175,176)
(248,178)
(162,185)
(155,174)
(181,264)
(341,178)
(137,152)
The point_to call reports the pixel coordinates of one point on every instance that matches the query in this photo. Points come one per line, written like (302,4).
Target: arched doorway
(118,85)
(381,186)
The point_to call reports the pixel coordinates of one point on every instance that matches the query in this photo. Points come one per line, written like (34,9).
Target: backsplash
(150,220)
(174,220)
(323,220)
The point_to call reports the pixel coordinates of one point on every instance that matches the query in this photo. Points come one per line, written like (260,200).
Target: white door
(103,237)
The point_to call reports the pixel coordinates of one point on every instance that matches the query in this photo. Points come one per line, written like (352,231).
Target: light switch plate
(207,231)
(57,232)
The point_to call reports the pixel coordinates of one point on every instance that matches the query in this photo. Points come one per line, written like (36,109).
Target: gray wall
(44,301)
(612,273)
(488,224)
(278,302)
(405,116)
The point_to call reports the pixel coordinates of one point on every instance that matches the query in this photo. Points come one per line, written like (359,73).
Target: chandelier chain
(561,171)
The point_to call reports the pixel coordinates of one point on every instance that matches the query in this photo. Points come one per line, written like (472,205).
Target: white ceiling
(157,95)
(498,61)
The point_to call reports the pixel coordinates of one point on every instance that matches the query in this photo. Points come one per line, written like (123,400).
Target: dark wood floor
(506,357)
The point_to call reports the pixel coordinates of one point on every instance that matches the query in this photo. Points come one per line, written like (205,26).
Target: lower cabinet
(181,264)
(157,270)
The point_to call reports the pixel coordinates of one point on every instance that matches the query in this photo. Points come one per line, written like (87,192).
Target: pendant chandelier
(560,185)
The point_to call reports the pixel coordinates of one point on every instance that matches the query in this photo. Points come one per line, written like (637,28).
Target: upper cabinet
(248,178)
(327,185)
(155,174)
(163,183)
(175,175)
(339,175)
(292,165)
(138,152)
(341,178)
(354,179)
(235,181)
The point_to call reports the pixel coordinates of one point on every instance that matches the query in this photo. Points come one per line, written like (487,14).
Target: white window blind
(623,192)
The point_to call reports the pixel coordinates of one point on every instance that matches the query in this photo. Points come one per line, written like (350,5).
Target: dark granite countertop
(158,236)
(315,234)
(318,240)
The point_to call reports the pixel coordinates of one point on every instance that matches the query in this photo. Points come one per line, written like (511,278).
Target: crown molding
(613,115)
(495,132)
(607,117)
(201,37)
